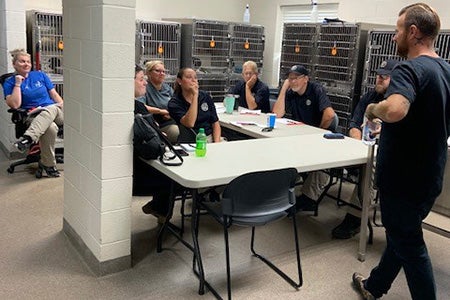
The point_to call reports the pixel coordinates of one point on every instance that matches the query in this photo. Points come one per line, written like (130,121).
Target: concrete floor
(38,262)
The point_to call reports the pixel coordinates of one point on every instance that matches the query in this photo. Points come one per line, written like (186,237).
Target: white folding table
(226,161)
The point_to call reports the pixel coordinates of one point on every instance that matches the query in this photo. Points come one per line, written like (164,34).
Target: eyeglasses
(159,71)
(296,78)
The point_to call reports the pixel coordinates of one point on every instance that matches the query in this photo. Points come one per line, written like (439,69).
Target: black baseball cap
(298,69)
(386,67)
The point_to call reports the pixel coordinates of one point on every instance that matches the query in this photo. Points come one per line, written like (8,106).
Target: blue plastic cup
(271,120)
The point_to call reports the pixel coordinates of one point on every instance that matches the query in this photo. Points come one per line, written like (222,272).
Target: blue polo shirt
(34,89)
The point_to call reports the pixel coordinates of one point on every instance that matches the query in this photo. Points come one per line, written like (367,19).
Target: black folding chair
(252,200)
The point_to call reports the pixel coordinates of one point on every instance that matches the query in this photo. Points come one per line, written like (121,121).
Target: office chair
(256,199)
(19,118)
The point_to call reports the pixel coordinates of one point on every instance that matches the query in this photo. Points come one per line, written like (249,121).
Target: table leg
(367,177)
(165,225)
(194,232)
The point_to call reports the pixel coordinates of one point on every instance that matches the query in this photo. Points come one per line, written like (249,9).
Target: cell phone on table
(180,151)
(333,135)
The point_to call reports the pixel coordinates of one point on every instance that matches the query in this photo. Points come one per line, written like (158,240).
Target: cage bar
(216,85)
(247,43)
(45,41)
(159,41)
(298,47)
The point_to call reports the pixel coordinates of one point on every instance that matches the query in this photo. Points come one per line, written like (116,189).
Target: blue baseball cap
(386,67)
(298,69)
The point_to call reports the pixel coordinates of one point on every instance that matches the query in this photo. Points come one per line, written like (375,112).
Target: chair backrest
(187,135)
(4,77)
(19,115)
(260,193)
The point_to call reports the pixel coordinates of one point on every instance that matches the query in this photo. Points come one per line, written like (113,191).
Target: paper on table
(188,147)
(246,111)
(220,109)
(288,121)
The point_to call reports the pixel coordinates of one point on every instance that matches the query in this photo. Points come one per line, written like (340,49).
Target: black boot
(304,203)
(350,226)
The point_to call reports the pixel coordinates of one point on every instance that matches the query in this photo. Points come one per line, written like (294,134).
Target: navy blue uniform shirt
(206,116)
(260,91)
(413,151)
(307,108)
(358,115)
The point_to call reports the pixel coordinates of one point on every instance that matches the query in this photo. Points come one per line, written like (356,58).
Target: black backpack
(150,143)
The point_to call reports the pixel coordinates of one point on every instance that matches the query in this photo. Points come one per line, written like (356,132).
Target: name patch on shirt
(204,107)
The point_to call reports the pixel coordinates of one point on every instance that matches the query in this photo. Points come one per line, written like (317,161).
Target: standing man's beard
(402,48)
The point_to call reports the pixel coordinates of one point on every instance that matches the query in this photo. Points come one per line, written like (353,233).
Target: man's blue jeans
(402,218)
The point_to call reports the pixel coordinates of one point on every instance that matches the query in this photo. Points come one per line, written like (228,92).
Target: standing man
(307,102)
(351,223)
(412,154)
(253,93)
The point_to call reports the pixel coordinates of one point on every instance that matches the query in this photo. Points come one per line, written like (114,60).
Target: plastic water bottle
(314,13)
(200,145)
(369,127)
(247,14)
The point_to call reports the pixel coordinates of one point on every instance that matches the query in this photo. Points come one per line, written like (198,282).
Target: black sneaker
(50,171)
(358,282)
(23,143)
(149,210)
(214,196)
(304,203)
(348,228)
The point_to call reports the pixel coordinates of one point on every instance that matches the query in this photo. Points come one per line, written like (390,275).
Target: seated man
(307,102)
(351,223)
(253,93)
(28,90)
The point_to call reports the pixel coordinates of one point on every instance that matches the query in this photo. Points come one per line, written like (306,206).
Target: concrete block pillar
(12,36)
(98,106)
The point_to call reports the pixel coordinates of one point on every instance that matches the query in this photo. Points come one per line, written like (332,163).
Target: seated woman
(158,94)
(192,107)
(147,180)
(28,90)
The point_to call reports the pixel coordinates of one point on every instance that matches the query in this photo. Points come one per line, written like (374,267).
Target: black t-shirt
(360,109)
(307,108)
(260,91)
(206,115)
(413,152)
